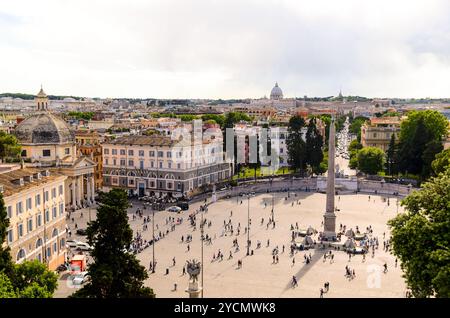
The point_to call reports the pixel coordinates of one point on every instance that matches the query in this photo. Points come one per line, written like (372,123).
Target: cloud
(226,49)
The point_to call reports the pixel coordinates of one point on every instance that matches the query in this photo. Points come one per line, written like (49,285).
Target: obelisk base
(193,290)
(329,226)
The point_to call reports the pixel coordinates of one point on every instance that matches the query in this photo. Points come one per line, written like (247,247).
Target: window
(19,208)
(169,185)
(160,154)
(141,153)
(67,151)
(114,162)
(53,193)
(170,165)
(106,151)
(152,153)
(62,243)
(169,154)
(9,211)
(114,151)
(28,204)
(152,164)
(161,164)
(130,152)
(38,220)
(30,225)
(130,163)
(54,212)
(106,161)
(37,200)
(21,255)
(49,252)
(55,247)
(131,181)
(46,153)
(20,230)
(47,215)
(46,196)
(178,165)
(152,184)
(122,152)
(61,191)
(141,164)
(61,209)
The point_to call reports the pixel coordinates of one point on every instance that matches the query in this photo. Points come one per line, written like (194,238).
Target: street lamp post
(248,224)
(153,230)
(273,216)
(202,239)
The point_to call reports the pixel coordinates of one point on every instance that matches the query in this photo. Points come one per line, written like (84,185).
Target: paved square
(259,277)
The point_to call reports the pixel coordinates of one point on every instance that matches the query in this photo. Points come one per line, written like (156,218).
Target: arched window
(39,243)
(55,232)
(21,255)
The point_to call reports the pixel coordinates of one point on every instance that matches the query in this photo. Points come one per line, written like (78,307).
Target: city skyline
(226,49)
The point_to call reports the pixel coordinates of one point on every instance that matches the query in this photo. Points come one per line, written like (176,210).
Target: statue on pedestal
(193,268)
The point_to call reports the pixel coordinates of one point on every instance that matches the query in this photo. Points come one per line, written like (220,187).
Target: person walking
(294,282)
(321,293)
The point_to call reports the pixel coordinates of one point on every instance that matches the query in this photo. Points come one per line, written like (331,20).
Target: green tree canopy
(9,146)
(219,119)
(313,147)
(441,161)
(355,126)
(81,115)
(391,156)
(115,273)
(370,160)
(232,118)
(421,238)
(353,149)
(295,143)
(436,124)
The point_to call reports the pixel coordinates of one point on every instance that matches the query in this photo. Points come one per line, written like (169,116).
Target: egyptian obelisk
(329,222)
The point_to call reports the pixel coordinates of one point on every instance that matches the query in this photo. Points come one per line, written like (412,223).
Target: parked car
(80,278)
(72,243)
(183,205)
(81,232)
(84,246)
(174,209)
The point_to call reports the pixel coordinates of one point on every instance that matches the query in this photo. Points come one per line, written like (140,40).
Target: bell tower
(41,100)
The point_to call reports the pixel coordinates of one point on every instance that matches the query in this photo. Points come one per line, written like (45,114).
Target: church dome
(44,128)
(276,92)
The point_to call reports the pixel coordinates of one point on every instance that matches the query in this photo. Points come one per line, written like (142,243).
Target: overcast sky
(226,49)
